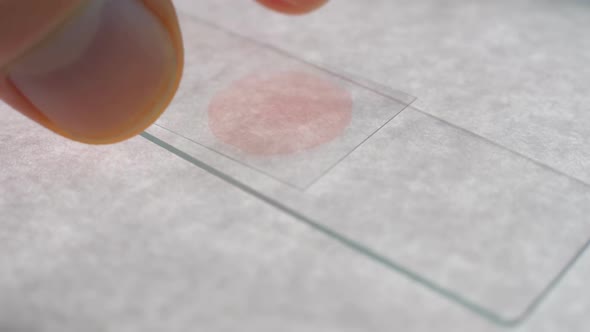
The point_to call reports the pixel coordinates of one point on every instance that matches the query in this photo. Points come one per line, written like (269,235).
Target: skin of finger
(164,10)
(293,7)
(26,22)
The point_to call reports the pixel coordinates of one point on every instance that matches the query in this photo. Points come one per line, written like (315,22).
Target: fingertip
(105,76)
(293,7)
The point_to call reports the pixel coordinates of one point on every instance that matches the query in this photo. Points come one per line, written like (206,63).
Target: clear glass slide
(478,224)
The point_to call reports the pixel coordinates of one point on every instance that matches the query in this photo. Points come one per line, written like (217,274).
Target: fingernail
(105,75)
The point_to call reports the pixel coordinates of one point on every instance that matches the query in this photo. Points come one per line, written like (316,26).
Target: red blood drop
(280,113)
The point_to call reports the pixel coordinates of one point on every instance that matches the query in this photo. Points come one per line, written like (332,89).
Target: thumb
(96,71)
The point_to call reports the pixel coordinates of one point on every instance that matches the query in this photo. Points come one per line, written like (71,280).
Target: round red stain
(280,113)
